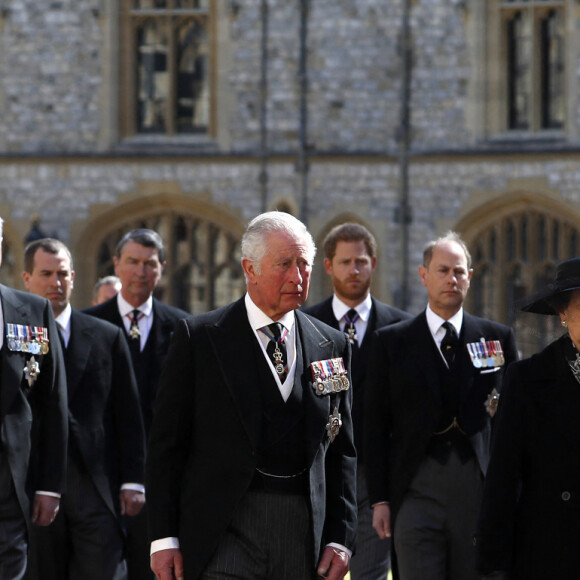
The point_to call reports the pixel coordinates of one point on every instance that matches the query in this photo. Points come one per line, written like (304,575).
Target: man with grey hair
(33,423)
(435,383)
(148,326)
(251,469)
(106,288)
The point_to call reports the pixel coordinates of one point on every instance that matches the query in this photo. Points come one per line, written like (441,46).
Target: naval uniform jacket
(381,314)
(529,523)
(404,403)
(33,419)
(206,434)
(106,428)
(164,319)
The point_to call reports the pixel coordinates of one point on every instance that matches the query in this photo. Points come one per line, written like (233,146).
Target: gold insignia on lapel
(334,424)
(31,371)
(492,402)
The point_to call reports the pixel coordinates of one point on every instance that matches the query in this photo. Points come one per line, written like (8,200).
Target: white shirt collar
(258,319)
(63,319)
(435,321)
(363,309)
(125,308)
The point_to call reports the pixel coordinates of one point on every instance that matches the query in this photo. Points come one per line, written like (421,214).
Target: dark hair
(449,236)
(145,237)
(48,245)
(349,232)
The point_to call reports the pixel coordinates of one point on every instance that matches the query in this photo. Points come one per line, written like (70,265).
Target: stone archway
(516,241)
(202,241)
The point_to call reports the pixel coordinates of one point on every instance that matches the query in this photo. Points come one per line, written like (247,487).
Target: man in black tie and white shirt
(148,326)
(251,468)
(106,453)
(430,403)
(350,261)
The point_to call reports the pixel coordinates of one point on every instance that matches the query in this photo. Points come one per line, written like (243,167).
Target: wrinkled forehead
(289,243)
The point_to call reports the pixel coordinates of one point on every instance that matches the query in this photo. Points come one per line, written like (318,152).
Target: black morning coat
(203,449)
(404,404)
(33,418)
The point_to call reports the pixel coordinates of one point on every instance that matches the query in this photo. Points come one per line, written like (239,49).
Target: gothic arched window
(530,245)
(203,268)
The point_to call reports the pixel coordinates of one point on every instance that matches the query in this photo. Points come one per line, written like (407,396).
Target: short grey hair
(255,243)
(145,237)
(449,236)
(110,280)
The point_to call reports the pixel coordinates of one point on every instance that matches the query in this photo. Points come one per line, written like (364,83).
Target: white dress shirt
(435,322)
(144,323)
(339,308)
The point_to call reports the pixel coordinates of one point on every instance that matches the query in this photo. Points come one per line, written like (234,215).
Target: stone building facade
(297,105)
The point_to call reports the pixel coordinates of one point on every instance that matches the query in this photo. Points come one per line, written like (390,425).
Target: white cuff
(340,547)
(133,487)
(50,493)
(164,544)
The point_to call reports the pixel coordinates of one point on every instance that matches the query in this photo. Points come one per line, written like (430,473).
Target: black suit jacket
(529,523)
(381,315)
(164,319)
(204,442)
(404,400)
(33,419)
(106,427)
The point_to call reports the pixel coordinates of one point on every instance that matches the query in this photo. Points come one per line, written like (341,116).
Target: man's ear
(249,270)
(423,274)
(26,278)
(328,266)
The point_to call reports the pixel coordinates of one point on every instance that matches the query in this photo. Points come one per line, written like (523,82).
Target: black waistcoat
(283,445)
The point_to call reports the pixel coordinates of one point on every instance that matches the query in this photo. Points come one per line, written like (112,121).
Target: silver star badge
(31,371)
(334,424)
(492,402)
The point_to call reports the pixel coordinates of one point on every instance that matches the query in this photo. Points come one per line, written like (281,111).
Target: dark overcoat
(529,523)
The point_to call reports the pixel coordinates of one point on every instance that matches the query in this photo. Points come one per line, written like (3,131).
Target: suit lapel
(233,340)
(422,348)
(14,311)
(371,327)
(315,346)
(471,332)
(78,352)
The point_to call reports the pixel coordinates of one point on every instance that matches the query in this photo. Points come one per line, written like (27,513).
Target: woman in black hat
(529,524)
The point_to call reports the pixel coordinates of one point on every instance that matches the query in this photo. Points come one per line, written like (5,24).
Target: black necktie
(449,343)
(349,328)
(276,349)
(134,333)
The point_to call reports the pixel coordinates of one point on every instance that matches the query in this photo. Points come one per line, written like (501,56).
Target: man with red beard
(350,260)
